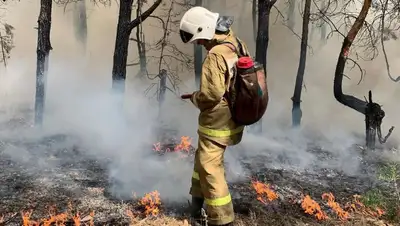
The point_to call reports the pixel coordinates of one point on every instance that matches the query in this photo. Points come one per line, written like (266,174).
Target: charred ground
(54,170)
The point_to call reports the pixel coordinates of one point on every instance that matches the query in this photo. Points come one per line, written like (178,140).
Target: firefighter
(216,129)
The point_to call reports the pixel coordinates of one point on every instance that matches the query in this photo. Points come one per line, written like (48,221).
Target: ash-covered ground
(55,169)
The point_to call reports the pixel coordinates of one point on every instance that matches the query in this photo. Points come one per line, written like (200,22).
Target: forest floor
(270,196)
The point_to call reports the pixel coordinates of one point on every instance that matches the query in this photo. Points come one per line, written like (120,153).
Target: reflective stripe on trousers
(208,182)
(213,202)
(220,133)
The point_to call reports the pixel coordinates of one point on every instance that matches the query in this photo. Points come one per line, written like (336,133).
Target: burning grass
(183,147)
(279,201)
(264,192)
(148,207)
(311,207)
(55,218)
(352,209)
(147,210)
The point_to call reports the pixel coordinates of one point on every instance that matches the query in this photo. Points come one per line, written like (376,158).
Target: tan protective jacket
(215,120)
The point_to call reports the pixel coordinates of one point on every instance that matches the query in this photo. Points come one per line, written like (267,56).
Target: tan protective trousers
(208,182)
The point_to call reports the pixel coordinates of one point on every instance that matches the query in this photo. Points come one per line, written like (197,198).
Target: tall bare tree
(80,22)
(318,24)
(124,29)
(43,52)
(372,111)
(163,51)
(388,19)
(296,109)
(6,38)
(6,42)
(290,14)
(141,44)
(264,12)
(254,18)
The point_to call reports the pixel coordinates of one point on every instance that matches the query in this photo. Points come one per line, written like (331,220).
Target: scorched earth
(69,187)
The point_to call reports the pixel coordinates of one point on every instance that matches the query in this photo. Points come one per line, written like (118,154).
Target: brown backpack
(248,93)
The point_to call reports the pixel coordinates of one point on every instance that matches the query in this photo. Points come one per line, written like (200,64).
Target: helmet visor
(185,36)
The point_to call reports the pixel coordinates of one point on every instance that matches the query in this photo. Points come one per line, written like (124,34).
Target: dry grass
(273,197)
(162,220)
(254,220)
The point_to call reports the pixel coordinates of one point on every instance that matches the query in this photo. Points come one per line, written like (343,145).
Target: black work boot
(197,213)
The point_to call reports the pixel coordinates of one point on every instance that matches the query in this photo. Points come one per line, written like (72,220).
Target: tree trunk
(372,111)
(141,44)
(124,29)
(163,89)
(296,109)
(323,34)
(198,56)
(42,51)
(291,15)
(347,100)
(3,51)
(323,25)
(254,19)
(80,23)
(264,11)
(121,46)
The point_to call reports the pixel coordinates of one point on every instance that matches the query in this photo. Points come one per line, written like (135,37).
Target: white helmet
(198,23)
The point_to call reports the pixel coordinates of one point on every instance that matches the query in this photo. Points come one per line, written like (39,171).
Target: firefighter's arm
(212,82)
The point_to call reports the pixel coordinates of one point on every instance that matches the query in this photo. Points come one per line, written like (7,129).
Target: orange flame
(151,202)
(58,219)
(313,208)
(77,219)
(26,218)
(343,215)
(184,145)
(264,192)
(54,219)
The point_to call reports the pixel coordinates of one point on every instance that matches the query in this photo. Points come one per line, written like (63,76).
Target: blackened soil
(55,170)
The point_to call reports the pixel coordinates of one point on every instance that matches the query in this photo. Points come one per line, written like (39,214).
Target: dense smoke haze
(80,103)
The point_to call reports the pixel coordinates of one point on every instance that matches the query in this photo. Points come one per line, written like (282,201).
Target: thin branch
(383,43)
(134,23)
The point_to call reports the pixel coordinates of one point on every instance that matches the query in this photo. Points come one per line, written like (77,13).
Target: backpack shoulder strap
(222,49)
(240,51)
(242,48)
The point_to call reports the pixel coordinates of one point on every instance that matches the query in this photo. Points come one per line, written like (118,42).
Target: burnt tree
(124,29)
(372,111)
(254,19)
(386,31)
(141,44)
(198,56)
(290,14)
(42,51)
(296,99)
(323,33)
(80,22)
(7,43)
(264,12)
